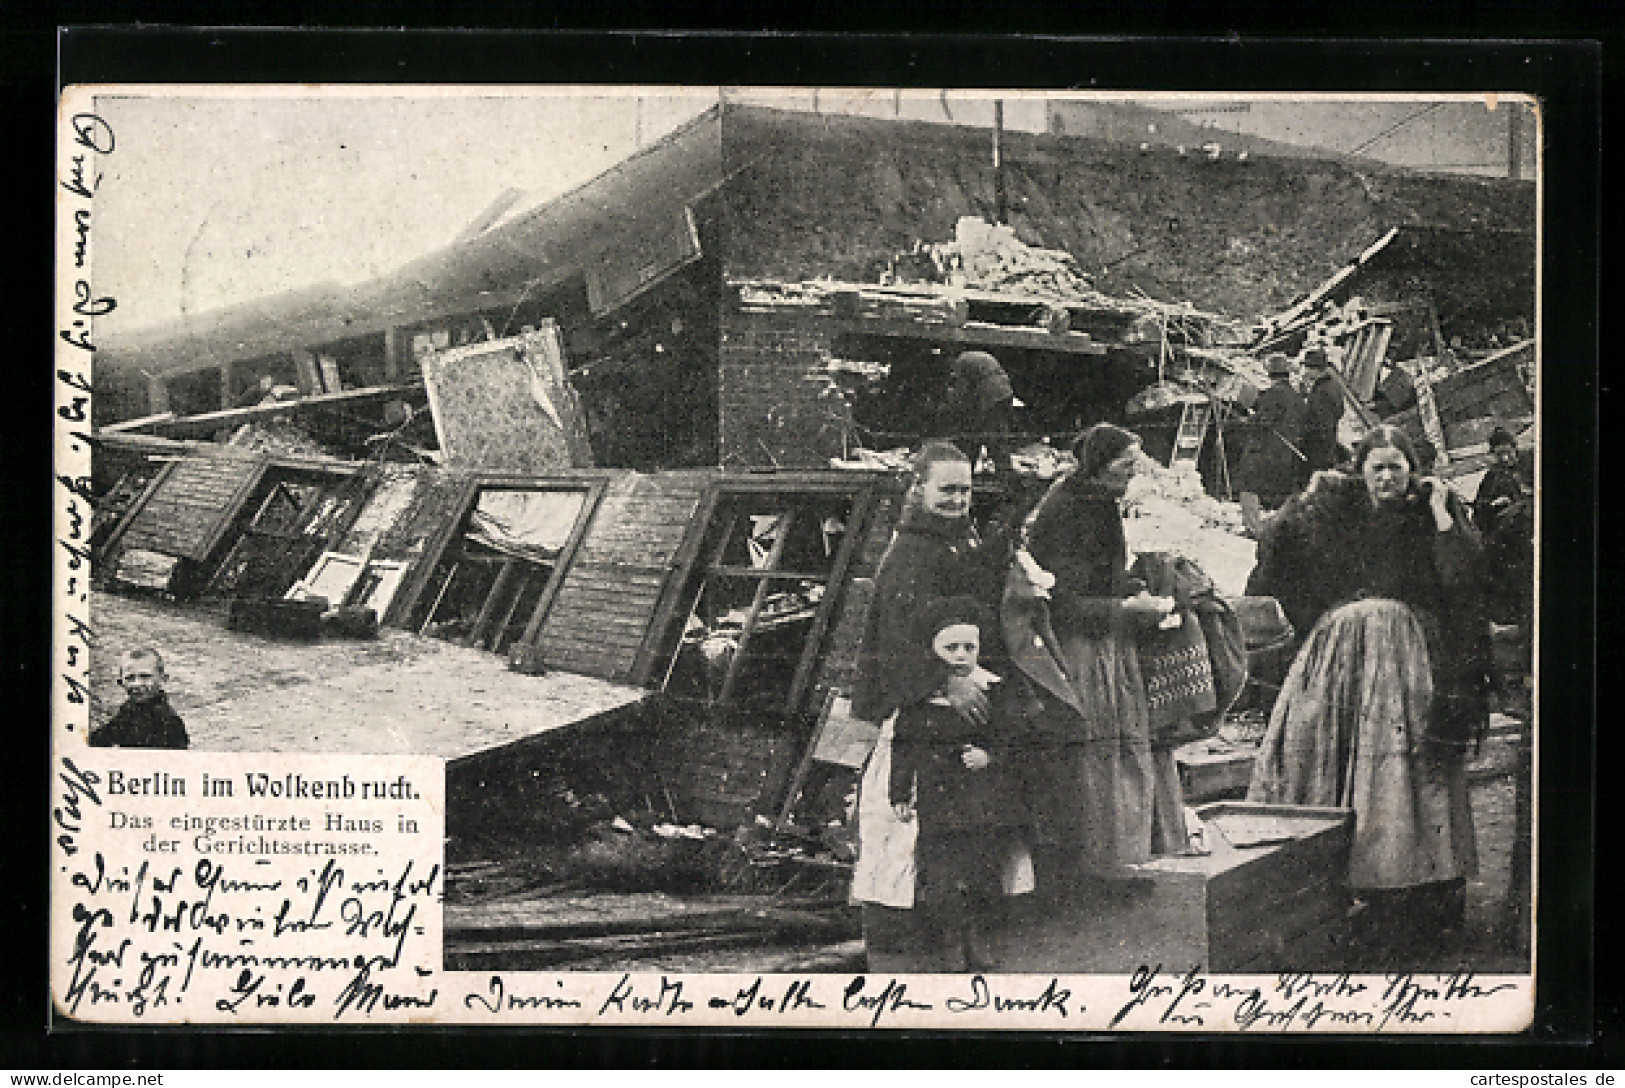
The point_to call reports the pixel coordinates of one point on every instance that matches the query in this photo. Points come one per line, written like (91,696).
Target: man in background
(1271,469)
(1323,409)
(977,407)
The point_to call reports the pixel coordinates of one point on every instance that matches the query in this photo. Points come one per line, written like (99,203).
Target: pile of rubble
(1158,491)
(1166,510)
(990,257)
(278,436)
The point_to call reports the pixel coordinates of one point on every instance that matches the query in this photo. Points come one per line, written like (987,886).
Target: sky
(208,201)
(215,196)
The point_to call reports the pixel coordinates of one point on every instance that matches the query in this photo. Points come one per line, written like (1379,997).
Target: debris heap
(990,257)
(1166,510)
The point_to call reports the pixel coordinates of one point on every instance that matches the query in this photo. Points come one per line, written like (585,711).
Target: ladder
(1193,425)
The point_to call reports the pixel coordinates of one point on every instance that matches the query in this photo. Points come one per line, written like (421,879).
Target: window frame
(695,565)
(591,485)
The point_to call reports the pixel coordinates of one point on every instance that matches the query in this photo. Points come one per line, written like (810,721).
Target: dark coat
(1331,545)
(1323,409)
(1499,482)
(1271,468)
(1076,534)
(151,724)
(929,558)
(1508,529)
(976,410)
(927,744)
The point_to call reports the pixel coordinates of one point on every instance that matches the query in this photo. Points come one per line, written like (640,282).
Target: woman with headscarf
(1389,689)
(1100,796)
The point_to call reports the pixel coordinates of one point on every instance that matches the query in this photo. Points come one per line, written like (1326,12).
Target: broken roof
(807,195)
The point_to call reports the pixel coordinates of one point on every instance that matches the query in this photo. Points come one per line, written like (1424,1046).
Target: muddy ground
(243,692)
(397,693)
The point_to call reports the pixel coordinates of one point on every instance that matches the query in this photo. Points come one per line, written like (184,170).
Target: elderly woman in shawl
(1389,689)
(1100,795)
(933,556)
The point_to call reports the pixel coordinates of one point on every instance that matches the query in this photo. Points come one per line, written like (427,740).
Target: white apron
(884,871)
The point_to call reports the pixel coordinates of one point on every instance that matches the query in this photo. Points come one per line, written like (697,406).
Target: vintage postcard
(753,557)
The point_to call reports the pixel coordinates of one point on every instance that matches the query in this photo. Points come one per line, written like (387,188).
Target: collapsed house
(640,432)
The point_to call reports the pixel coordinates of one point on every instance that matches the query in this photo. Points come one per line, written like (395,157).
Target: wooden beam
(977,334)
(493,599)
(141,424)
(211,421)
(310,380)
(329,367)
(392,354)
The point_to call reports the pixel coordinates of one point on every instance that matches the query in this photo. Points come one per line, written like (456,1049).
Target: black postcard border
(1566,75)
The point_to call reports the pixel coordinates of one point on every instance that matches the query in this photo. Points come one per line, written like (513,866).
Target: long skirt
(1349,730)
(1103,795)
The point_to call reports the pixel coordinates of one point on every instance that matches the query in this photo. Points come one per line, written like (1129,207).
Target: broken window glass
(751,633)
(492,579)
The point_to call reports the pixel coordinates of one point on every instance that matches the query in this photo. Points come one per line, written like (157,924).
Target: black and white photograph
(1002,536)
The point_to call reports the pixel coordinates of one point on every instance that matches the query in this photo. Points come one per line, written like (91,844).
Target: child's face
(958,644)
(142,680)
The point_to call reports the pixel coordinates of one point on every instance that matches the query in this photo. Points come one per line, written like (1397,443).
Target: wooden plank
(563,563)
(493,601)
(976,334)
(434,550)
(663,613)
(588,619)
(601,626)
(197,500)
(812,651)
(207,422)
(329,367)
(1301,308)
(309,379)
(1238,942)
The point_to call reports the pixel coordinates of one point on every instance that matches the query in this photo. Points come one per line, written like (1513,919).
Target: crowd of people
(1025,743)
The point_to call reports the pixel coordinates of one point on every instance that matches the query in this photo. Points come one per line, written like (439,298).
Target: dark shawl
(930,558)
(1076,534)
(1330,546)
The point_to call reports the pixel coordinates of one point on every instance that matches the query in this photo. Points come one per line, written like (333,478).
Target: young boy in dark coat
(146,720)
(945,773)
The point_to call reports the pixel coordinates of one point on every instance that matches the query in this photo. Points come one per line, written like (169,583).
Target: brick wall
(771,415)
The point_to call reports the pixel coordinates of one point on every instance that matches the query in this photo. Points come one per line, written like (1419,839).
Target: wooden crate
(1253,909)
(1208,771)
